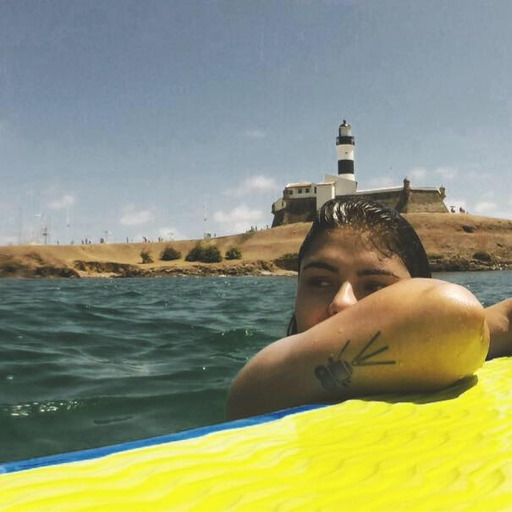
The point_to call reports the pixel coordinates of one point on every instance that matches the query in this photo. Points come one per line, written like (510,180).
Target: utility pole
(45,234)
(20,226)
(205,218)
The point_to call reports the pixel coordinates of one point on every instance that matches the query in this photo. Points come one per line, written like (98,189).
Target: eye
(374,286)
(319,282)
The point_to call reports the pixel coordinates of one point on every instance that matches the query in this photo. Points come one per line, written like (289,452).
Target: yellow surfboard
(449,451)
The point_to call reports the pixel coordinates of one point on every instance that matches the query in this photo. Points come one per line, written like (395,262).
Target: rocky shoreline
(99,269)
(454,243)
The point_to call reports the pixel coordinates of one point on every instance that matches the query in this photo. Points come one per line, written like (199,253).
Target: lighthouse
(345,145)
(344,183)
(302,200)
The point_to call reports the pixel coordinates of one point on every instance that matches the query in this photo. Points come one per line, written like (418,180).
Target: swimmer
(369,319)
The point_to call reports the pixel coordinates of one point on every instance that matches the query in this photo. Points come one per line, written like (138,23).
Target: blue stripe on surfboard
(93,453)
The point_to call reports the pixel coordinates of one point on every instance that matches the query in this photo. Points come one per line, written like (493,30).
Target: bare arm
(416,335)
(499,319)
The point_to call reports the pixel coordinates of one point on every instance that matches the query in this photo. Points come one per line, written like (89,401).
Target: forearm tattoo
(338,372)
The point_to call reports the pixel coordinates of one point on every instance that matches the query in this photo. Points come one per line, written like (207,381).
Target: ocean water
(86,363)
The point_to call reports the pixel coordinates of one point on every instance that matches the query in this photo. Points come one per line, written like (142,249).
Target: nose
(343,299)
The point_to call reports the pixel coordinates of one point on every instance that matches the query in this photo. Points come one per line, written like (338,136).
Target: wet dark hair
(389,233)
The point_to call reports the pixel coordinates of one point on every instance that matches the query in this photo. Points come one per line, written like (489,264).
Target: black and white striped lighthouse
(345,145)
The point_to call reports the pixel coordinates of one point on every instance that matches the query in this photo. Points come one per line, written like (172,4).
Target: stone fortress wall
(404,200)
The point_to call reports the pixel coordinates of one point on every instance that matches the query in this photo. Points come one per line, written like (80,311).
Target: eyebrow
(321,265)
(364,272)
(376,272)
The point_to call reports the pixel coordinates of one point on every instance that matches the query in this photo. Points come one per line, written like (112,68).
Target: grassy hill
(452,242)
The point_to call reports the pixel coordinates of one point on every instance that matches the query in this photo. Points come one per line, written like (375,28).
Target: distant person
(369,319)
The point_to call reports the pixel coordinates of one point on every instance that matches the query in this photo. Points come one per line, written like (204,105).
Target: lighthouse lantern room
(345,145)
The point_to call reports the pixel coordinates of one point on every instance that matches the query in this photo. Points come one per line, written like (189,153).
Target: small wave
(39,408)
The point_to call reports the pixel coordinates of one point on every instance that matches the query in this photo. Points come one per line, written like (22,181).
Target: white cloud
(456,203)
(238,220)
(422,173)
(382,182)
(132,217)
(492,209)
(447,173)
(418,173)
(502,214)
(171,234)
(258,183)
(485,207)
(8,240)
(478,175)
(63,202)
(255,134)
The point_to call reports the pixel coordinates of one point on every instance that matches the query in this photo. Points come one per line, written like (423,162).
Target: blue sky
(140,118)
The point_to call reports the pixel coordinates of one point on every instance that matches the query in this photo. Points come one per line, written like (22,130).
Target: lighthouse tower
(345,145)
(344,183)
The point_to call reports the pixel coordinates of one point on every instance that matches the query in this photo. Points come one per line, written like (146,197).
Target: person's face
(341,268)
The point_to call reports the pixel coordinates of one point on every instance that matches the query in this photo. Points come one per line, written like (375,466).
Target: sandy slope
(453,242)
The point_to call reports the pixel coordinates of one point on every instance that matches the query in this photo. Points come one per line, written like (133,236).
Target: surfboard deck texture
(449,451)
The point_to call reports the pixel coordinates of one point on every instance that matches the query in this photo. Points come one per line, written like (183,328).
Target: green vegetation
(288,261)
(234,253)
(205,254)
(170,253)
(145,256)
(195,253)
(482,256)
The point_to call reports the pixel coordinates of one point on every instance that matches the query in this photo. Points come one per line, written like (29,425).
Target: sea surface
(86,363)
